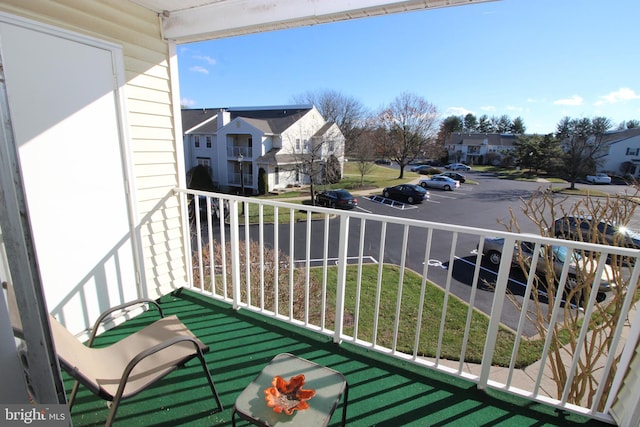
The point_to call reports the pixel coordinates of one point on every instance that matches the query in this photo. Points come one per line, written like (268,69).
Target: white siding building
(478,148)
(278,141)
(622,153)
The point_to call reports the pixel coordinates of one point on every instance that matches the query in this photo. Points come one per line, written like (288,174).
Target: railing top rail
(621,251)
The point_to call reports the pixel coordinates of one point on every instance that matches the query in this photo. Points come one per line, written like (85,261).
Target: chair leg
(210,380)
(112,411)
(72,397)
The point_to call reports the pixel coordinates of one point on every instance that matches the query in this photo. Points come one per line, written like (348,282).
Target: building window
(330,145)
(203,161)
(196,140)
(277,175)
(298,144)
(208,142)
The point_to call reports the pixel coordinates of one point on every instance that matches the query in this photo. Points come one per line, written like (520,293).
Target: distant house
(621,153)
(242,143)
(478,148)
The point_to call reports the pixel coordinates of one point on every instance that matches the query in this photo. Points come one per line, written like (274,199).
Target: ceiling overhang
(188,21)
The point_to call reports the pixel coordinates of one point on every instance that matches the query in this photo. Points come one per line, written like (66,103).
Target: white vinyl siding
(150,119)
(625,410)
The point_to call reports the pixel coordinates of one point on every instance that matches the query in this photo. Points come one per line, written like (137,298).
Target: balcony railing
(234,178)
(235,151)
(349,274)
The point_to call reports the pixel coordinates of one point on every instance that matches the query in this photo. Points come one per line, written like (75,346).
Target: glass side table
(329,385)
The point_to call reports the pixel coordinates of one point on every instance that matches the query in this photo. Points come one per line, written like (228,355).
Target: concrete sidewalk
(525,379)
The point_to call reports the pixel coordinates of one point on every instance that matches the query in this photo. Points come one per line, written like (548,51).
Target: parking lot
(486,205)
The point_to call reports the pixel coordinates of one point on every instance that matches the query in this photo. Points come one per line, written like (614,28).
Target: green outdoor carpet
(382,391)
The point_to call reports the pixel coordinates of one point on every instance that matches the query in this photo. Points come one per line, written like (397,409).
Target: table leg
(345,403)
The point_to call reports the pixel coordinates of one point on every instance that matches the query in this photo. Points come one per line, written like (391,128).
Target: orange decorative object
(288,396)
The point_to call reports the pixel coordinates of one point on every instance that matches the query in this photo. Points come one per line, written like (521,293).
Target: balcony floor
(382,391)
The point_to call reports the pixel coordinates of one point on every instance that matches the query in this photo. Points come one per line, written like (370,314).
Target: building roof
(273,158)
(324,129)
(620,135)
(191,118)
(274,120)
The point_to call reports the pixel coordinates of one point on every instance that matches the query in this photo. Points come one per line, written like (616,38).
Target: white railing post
(342,277)
(234,240)
(499,297)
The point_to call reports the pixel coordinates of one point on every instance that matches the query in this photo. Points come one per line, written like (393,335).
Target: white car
(441,182)
(458,167)
(599,178)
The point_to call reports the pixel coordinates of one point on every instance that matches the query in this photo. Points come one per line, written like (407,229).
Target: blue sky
(537,59)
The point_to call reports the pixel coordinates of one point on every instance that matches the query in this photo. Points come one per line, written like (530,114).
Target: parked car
(441,182)
(336,199)
(420,168)
(599,178)
(456,176)
(382,162)
(492,251)
(410,193)
(622,180)
(584,228)
(457,167)
(202,206)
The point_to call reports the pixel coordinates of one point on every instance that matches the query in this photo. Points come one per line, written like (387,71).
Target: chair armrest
(106,313)
(150,351)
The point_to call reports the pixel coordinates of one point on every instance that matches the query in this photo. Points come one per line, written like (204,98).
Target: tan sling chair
(128,366)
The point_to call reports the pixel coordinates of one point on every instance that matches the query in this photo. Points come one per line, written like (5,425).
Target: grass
(376,177)
(284,215)
(454,324)
(384,331)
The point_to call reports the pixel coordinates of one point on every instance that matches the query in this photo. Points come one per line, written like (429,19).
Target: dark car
(382,162)
(586,229)
(202,207)
(555,256)
(455,176)
(420,168)
(336,199)
(410,193)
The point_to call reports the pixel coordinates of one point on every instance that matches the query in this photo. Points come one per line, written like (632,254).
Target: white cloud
(622,94)
(199,69)
(209,60)
(514,108)
(186,102)
(574,100)
(457,111)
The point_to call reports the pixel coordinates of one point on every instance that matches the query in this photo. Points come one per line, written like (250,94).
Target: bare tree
(406,128)
(363,154)
(345,111)
(583,144)
(607,313)
(317,159)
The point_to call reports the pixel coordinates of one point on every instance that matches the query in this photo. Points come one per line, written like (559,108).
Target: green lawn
(454,327)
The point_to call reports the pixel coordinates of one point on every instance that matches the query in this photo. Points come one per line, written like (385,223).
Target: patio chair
(128,366)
